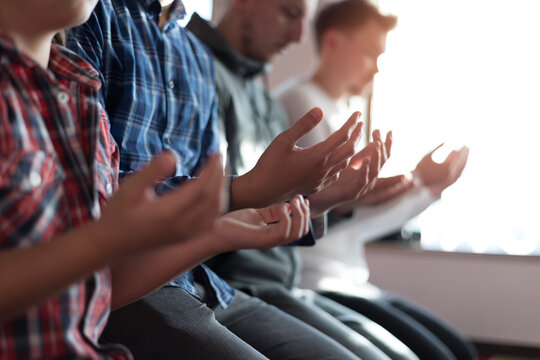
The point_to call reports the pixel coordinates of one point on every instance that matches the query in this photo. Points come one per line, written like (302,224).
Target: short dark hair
(349,14)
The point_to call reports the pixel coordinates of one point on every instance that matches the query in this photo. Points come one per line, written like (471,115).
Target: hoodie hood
(236,62)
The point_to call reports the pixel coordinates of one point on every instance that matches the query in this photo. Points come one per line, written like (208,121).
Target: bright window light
(467,72)
(202,7)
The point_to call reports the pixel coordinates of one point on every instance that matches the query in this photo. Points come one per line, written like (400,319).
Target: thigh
(319,319)
(171,324)
(419,339)
(366,327)
(276,334)
(460,347)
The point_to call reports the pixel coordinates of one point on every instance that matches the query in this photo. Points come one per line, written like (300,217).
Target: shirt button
(35,179)
(171,84)
(168,141)
(62,97)
(96,212)
(109,188)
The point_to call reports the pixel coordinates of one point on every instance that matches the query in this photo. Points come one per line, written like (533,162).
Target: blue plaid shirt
(159,92)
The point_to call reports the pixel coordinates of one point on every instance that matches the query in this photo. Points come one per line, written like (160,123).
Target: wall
(490,298)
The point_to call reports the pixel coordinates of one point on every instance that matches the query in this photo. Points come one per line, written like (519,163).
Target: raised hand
(386,189)
(262,228)
(438,177)
(285,169)
(358,178)
(141,219)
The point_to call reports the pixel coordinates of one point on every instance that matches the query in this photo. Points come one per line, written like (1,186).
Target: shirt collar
(69,65)
(153,7)
(63,63)
(223,51)
(11,52)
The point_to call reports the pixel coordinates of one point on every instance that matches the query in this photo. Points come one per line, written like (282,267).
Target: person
(63,264)
(248,36)
(159,92)
(350,36)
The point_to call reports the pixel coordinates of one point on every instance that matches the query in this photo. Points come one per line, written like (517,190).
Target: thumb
(430,154)
(304,125)
(160,167)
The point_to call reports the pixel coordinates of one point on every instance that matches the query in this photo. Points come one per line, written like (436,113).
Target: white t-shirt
(337,261)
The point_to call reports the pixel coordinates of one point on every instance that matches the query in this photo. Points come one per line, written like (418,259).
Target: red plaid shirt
(57,164)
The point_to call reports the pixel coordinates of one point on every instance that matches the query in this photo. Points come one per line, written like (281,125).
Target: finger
(391,181)
(464,151)
(346,150)
(376,135)
(284,224)
(328,181)
(160,167)
(302,126)
(376,158)
(270,213)
(462,156)
(363,180)
(339,137)
(297,219)
(388,144)
(338,168)
(305,203)
(276,232)
(366,153)
(203,196)
(436,148)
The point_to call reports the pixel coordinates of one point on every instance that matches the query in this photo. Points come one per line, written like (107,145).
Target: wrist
(213,241)
(111,241)
(317,205)
(247,191)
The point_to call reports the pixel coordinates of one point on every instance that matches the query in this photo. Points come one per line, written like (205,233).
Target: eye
(292,12)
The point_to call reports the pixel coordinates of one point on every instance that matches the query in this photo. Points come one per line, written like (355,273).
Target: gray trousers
(366,339)
(171,324)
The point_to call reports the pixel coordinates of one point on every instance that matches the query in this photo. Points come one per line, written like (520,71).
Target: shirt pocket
(31,196)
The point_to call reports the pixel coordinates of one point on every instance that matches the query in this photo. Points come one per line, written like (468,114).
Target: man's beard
(247,42)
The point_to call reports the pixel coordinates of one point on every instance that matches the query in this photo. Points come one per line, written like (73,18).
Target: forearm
(137,275)
(373,222)
(246,192)
(28,276)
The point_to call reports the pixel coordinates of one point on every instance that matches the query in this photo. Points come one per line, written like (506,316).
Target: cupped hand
(358,178)
(267,227)
(285,169)
(439,176)
(141,219)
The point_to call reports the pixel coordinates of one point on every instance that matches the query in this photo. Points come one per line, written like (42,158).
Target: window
(467,72)
(202,7)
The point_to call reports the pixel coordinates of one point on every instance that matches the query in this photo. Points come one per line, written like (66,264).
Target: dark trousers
(429,336)
(171,324)
(366,339)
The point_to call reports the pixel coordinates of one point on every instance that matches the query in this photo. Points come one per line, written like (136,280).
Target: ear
(332,39)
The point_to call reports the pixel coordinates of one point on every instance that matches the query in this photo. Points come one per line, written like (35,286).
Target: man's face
(269,26)
(361,49)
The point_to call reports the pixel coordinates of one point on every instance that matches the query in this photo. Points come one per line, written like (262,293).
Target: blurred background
(462,72)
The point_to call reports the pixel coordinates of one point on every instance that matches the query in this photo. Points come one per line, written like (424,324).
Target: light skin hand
(143,220)
(438,177)
(267,227)
(133,222)
(248,228)
(358,178)
(285,169)
(386,189)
